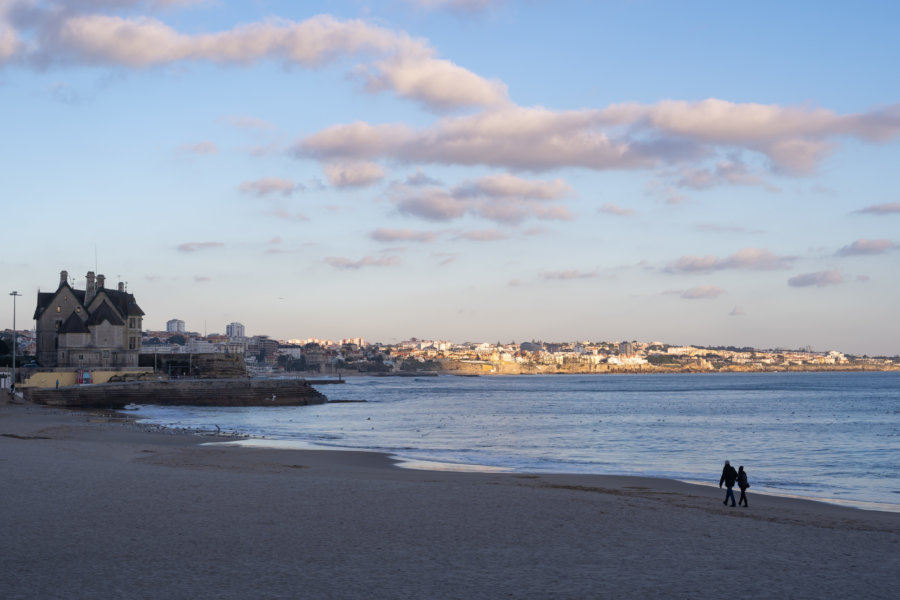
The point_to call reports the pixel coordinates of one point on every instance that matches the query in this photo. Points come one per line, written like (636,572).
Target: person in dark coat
(729,475)
(743,484)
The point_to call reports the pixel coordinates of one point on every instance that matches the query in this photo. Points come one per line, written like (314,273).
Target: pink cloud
(195,246)
(865,247)
(402,235)
(269,185)
(748,258)
(483,235)
(794,140)
(287,216)
(612,209)
(568,275)
(881,209)
(503,198)
(339,262)
(353,174)
(818,279)
(702,292)
(407,66)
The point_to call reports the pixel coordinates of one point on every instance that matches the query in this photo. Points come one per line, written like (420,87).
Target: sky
(704,173)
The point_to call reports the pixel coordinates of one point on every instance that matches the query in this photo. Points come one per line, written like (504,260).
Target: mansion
(94,327)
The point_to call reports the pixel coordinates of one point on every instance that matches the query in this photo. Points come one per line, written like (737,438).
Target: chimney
(121,286)
(63,277)
(101,281)
(90,288)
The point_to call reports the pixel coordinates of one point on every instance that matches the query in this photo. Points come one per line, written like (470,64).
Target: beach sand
(97,509)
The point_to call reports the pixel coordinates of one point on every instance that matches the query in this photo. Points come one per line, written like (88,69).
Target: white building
(234,330)
(175,326)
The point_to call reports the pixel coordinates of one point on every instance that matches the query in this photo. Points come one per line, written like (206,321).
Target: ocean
(826,436)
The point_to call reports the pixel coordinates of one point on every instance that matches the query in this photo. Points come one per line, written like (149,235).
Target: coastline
(100,508)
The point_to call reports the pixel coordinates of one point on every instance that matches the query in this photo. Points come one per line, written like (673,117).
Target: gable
(104,312)
(61,304)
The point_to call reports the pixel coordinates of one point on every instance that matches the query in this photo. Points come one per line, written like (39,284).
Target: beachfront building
(93,327)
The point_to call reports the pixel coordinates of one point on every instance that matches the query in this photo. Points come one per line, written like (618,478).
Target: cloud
(502,198)
(748,258)
(402,235)
(199,148)
(702,292)
(353,174)
(620,136)
(285,215)
(431,205)
(510,186)
(195,246)
(202,278)
(865,247)
(568,275)
(881,209)
(612,209)
(818,279)
(339,262)
(483,235)
(405,65)
(731,172)
(419,178)
(534,139)
(434,82)
(737,311)
(270,185)
(863,278)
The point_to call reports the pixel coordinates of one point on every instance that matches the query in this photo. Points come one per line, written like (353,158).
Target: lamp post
(12,386)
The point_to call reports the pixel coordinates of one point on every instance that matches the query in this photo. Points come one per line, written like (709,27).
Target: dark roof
(46,298)
(104,312)
(73,324)
(124,302)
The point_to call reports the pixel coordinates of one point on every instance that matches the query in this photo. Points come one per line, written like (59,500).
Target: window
(59,309)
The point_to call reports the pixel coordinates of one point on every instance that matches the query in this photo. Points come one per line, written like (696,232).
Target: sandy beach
(93,508)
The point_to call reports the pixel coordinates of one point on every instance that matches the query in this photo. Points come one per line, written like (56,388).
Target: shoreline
(249,441)
(104,508)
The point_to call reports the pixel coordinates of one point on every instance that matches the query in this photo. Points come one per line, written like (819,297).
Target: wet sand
(95,509)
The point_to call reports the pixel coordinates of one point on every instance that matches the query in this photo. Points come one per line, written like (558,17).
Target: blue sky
(695,173)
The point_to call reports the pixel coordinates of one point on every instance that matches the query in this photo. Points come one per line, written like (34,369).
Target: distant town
(82,335)
(264,355)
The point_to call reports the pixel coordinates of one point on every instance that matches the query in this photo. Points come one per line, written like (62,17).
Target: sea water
(829,436)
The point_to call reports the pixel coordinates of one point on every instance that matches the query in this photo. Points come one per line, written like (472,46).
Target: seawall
(200,392)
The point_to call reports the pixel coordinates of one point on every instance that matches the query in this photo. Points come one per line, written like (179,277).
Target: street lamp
(12,386)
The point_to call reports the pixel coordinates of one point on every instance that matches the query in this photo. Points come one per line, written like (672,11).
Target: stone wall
(206,392)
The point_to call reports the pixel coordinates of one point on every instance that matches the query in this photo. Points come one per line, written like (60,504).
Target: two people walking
(729,478)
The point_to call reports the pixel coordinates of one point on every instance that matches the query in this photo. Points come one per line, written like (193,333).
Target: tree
(178,340)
